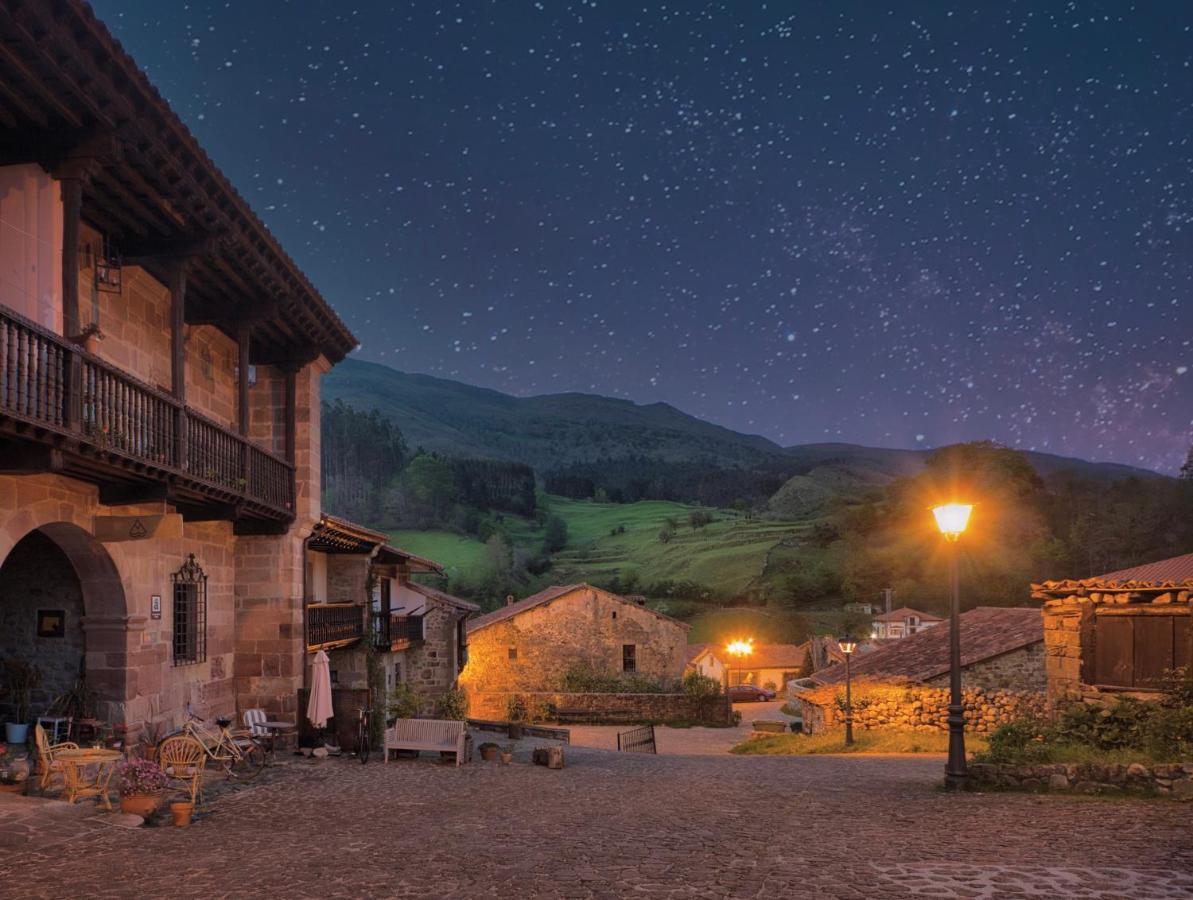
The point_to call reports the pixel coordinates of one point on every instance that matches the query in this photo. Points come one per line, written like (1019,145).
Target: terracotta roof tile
(1177,569)
(434,594)
(546,596)
(986,632)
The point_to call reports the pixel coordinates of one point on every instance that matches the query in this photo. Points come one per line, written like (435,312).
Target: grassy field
(459,555)
(864,742)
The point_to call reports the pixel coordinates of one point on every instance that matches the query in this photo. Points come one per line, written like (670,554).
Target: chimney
(509,599)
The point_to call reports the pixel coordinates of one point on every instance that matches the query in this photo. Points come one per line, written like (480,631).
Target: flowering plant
(141,776)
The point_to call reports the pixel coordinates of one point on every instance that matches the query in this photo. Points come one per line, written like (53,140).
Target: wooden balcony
(65,410)
(331,625)
(395,631)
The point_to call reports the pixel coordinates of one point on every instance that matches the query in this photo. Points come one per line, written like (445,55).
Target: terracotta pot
(488,754)
(507,758)
(143,805)
(182,812)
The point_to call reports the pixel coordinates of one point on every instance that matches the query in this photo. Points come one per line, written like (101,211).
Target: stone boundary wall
(1172,779)
(914,707)
(604,708)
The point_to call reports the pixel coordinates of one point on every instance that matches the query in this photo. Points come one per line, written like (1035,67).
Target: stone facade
(1020,670)
(596,708)
(915,707)
(1172,780)
(584,627)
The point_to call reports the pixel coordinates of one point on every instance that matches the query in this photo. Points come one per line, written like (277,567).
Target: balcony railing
(48,381)
(390,629)
(334,624)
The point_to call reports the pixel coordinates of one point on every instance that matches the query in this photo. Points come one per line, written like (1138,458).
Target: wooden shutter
(1114,651)
(1153,649)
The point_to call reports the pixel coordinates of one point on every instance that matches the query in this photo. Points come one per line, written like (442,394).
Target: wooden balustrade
(49,381)
(334,624)
(390,628)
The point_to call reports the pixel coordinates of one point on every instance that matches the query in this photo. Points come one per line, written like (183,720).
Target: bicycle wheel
(250,762)
(362,741)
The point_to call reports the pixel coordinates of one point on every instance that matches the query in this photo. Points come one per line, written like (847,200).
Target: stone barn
(531,644)
(1122,632)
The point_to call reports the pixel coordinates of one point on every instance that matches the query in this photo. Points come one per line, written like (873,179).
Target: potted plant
(507,754)
(20,678)
(141,785)
(516,712)
(151,736)
(488,751)
(10,783)
(181,812)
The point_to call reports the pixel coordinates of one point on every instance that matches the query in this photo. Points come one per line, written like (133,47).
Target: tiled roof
(1177,569)
(1157,577)
(332,534)
(694,651)
(546,596)
(986,632)
(898,615)
(433,594)
(776,656)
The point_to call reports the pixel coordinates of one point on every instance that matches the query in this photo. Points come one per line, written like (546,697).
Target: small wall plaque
(155,606)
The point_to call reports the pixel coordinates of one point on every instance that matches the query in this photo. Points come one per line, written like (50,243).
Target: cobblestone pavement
(685,741)
(612,825)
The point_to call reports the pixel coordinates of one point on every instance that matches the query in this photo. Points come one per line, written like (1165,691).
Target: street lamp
(740,649)
(848,645)
(952,519)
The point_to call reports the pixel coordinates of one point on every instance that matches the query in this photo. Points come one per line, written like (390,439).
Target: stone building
(905,683)
(1122,632)
(902,622)
(160,357)
(530,644)
(361,600)
(769,665)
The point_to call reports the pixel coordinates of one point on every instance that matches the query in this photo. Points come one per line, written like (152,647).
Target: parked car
(750,693)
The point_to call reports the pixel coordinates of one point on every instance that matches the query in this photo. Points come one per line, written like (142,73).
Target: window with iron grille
(629,658)
(190,613)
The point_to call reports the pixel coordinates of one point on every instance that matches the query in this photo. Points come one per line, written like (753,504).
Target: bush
(516,708)
(586,680)
(1020,741)
(700,687)
(453,705)
(401,702)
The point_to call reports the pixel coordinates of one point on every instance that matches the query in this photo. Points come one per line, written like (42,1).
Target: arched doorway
(62,609)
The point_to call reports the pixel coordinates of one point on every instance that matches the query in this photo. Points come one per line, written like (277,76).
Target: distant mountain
(554,430)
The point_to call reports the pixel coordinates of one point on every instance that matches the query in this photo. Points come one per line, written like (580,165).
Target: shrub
(586,680)
(453,705)
(401,702)
(700,687)
(516,708)
(1020,741)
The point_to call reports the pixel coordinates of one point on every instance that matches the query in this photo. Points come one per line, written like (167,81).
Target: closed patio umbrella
(319,708)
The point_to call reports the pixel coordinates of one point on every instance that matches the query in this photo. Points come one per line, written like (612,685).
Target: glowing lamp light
(848,645)
(952,519)
(741,648)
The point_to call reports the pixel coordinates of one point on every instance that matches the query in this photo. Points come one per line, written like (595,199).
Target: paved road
(612,826)
(684,741)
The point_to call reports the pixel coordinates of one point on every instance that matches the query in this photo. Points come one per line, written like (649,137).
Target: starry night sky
(813,221)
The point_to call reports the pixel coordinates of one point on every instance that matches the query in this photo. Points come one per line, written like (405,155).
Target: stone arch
(106,624)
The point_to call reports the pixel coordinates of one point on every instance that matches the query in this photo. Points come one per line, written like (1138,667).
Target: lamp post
(952,519)
(848,645)
(740,649)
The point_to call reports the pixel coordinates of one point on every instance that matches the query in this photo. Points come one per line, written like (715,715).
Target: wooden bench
(426,734)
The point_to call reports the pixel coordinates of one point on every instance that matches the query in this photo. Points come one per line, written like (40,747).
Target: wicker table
(82,783)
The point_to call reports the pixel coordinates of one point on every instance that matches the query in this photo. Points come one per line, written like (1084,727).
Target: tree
(555,536)
(666,534)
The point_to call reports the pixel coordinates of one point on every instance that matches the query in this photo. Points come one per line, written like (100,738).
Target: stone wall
(430,668)
(1019,670)
(618,708)
(1174,780)
(914,707)
(587,628)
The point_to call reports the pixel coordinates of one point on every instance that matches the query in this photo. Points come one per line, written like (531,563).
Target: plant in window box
(142,784)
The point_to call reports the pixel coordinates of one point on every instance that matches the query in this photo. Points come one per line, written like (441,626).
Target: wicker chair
(45,756)
(183,759)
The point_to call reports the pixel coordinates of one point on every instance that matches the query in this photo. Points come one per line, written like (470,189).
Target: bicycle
(238,753)
(363,735)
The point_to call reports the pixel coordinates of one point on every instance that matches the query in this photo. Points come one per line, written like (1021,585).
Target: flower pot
(488,754)
(14,788)
(16,732)
(181,812)
(515,731)
(507,758)
(143,805)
